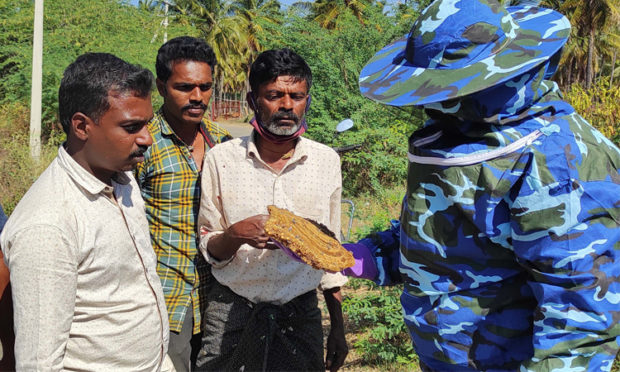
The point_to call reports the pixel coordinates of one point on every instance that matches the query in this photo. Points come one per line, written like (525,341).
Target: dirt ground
(237,128)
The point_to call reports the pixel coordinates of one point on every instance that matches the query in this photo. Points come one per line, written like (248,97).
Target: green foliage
(599,106)
(336,58)
(375,210)
(327,12)
(374,174)
(378,312)
(595,37)
(71,28)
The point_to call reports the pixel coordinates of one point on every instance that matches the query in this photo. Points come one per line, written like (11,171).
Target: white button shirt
(85,291)
(237,184)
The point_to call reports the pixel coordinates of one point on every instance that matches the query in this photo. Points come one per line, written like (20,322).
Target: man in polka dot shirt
(262,312)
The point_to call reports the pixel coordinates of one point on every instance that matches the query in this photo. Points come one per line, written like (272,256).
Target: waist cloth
(241,335)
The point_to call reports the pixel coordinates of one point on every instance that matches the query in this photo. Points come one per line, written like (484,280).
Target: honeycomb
(311,241)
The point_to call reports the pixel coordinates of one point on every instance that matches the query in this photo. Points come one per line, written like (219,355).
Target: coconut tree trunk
(589,67)
(613,69)
(221,95)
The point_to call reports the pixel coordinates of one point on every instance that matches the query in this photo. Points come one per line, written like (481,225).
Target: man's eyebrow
(135,121)
(193,83)
(290,92)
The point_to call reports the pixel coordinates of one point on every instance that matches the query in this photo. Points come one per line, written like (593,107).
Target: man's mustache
(200,105)
(285,116)
(139,152)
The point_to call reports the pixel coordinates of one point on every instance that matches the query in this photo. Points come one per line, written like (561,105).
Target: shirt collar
(164,127)
(83,178)
(300,154)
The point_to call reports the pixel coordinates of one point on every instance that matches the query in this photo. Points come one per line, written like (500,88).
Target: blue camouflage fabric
(509,238)
(509,241)
(459,47)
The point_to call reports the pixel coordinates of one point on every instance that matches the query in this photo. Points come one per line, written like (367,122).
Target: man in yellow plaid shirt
(169,180)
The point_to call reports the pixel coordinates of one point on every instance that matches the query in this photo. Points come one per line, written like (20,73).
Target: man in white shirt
(262,311)
(85,291)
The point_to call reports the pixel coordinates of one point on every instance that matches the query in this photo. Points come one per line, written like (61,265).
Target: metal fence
(229,105)
(228,109)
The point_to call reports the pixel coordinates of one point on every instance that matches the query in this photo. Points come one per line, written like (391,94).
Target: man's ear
(79,125)
(251,101)
(161,87)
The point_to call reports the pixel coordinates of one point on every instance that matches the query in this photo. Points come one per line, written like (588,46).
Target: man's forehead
(185,67)
(117,94)
(129,105)
(285,82)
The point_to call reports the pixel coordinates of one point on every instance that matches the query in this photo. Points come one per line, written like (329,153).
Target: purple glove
(290,253)
(365,266)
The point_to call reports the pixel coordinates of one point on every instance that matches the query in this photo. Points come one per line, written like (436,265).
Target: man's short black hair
(182,48)
(86,83)
(278,62)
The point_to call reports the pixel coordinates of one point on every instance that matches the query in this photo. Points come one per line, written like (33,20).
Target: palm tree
(615,40)
(607,44)
(327,12)
(255,12)
(225,31)
(588,18)
(150,5)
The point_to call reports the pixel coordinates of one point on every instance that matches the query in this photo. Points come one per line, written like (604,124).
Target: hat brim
(389,79)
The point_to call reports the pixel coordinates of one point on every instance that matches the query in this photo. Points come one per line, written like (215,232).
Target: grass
(17,169)
(373,212)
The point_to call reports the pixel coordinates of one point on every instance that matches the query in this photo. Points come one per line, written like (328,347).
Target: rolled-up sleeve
(332,280)
(44,271)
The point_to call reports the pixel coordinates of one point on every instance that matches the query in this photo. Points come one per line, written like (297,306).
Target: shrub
(17,168)
(71,28)
(378,313)
(372,311)
(599,106)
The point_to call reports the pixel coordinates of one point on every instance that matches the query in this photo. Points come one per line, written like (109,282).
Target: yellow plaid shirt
(169,180)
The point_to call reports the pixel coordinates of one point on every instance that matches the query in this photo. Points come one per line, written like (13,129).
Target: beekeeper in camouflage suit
(509,239)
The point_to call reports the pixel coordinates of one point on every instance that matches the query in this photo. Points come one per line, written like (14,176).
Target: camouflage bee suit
(508,243)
